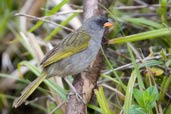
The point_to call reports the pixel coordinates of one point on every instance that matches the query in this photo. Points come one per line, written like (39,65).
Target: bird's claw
(78,97)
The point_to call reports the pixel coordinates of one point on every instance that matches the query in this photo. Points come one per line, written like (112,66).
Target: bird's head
(96,24)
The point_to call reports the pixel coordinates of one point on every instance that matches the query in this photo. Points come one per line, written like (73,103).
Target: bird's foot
(78,96)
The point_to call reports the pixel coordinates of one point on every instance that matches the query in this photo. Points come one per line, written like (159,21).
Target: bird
(72,55)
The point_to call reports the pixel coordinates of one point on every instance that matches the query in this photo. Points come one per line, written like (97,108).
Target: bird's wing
(75,42)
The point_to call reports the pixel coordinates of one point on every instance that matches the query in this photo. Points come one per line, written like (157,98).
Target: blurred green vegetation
(135,79)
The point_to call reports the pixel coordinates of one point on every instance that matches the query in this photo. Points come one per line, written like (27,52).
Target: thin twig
(148,14)
(35,99)
(137,7)
(42,19)
(135,51)
(63,13)
(141,2)
(61,104)
(129,65)
(113,89)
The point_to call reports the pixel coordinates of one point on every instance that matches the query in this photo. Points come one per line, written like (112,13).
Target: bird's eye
(101,21)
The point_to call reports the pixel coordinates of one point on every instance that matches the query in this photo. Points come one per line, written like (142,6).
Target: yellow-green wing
(75,42)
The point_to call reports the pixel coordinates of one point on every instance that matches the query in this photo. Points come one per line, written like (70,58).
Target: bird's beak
(108,25)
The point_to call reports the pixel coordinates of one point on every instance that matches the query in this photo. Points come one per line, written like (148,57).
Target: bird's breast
(75,63)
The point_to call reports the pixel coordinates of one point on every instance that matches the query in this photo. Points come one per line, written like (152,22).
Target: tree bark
(85,82)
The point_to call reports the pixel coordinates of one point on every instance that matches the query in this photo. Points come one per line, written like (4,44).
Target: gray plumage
(78,62)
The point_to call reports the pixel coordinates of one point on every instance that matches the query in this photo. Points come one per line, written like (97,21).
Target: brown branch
(86,81)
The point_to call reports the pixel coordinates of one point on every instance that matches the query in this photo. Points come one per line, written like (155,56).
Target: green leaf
(136,110)
(168,63)
(146,99)
(143,21)
(150,63)
(150,97)
(139,97)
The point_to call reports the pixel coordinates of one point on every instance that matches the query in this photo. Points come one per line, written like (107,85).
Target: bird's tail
(29,90)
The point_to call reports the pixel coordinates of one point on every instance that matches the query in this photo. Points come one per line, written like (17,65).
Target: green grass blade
(102,101)
(144,22)
(33,68)
(142,36)
(56,30)
(163,10)
(115,73)
(97,109)
(53,11)
(110,78)
(57,7)
(3,75)
(37,25)
(129,92)
(140,81)
(24,41)
(57,89)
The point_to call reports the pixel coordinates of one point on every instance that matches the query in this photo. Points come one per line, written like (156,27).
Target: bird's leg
(78,96)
